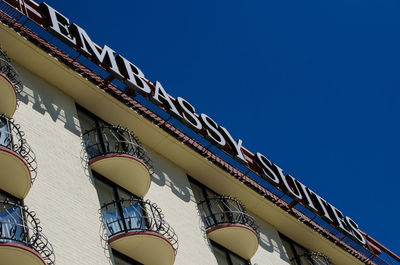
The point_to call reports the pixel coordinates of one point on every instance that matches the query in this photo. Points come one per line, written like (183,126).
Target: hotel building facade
(98,165)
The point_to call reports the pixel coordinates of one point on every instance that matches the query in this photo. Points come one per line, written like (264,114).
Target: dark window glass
(119,211)
(214,210)
(221,256)
(299,255)
(198,192)
(225,257)
(102,138)
(92,138)
(5,136)
(289,251)
(86,121)
(236,260)
(120,259)
(12,228)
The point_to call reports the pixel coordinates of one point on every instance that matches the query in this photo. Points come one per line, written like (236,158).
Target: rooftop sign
(121,68)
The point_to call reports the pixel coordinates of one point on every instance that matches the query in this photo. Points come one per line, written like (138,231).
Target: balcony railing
(310,258)
(225,210)
(114,140)
(136,215)
(9,71)
(18,225)
(12,138)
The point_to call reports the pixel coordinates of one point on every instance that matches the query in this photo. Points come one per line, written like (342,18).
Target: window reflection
(12,226)
(5,136)
(121,211)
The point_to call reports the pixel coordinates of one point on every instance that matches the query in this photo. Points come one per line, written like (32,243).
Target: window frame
(227,252)
(99,123)
(124,258)
(116,197)
(293,246)
(21,213)
(9,137)
(204,190)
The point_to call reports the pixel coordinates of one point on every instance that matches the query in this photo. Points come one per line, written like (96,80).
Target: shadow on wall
(44,98)
(179,189)
(266,243)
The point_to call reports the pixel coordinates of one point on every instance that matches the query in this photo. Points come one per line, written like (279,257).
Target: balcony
(137,229)
(10,86)
(227,223)
(17,161)
(21,240)
(117,154)
(310,258)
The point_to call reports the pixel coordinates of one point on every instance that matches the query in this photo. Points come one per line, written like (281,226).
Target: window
(121,259)
(5,136)
(225,257)
(101,138)
(216,209)
(94,138)
(299,255)
(12,220)
(121,210)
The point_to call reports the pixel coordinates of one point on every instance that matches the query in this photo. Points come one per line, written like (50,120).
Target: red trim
(24,248)
(222,226)
(134,233)
(379,247)
(15,91)
(5,149)
(97,158)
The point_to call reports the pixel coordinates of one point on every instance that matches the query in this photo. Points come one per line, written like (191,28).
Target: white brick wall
(62,196)
(270,248)
(170,190)
(66,202)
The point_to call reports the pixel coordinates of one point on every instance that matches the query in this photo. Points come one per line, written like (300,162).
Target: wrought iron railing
(310,258)
(131,215)
(19,225)
(225,210)
(9,71)
(12,137)
(114,139)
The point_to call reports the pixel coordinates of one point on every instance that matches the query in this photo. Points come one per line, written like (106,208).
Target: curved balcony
(10,86)
(310,258)
(17,161)
(21,239)
(117,154)
(227,223)
(137,229)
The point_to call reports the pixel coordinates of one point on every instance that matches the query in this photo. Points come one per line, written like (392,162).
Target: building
(89,144)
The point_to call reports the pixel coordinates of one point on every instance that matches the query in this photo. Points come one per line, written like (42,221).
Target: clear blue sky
(313,85)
